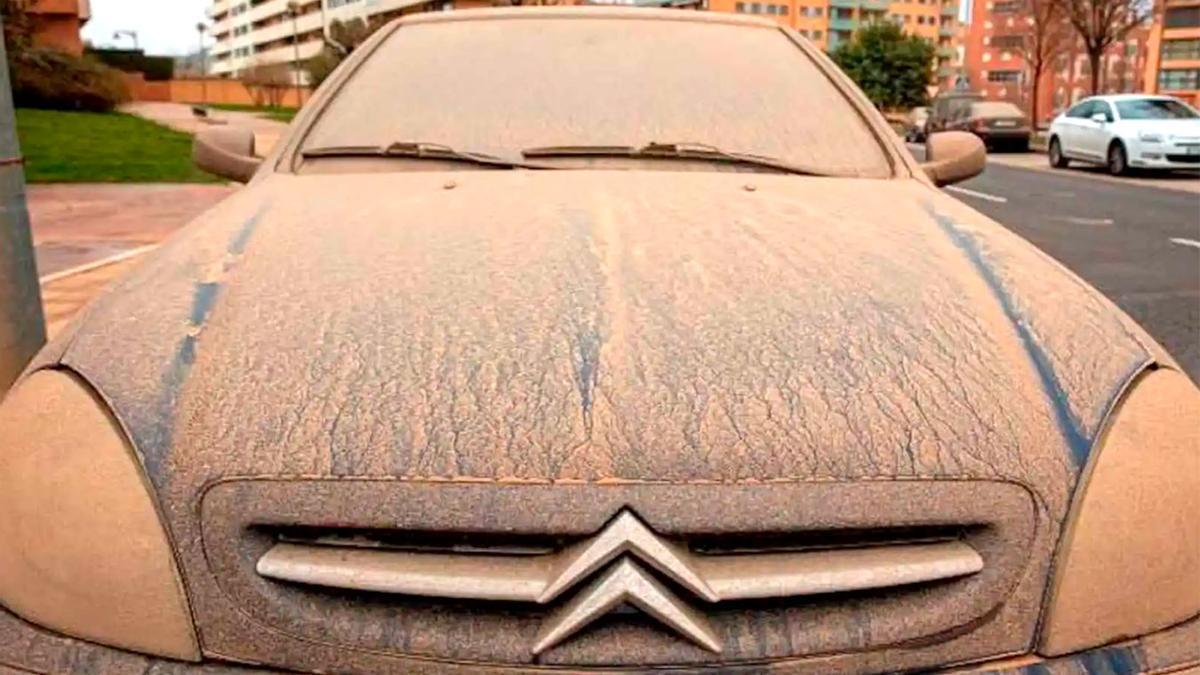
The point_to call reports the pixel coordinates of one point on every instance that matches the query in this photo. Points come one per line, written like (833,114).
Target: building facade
(56,23)
(996,67)
(1173,58)
(252,32)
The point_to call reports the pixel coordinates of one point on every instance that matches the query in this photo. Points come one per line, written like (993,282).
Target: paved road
(1139,245)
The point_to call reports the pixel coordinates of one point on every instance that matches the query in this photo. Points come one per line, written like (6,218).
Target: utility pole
(200,27)
(293,9)
(132,34)
(22,326)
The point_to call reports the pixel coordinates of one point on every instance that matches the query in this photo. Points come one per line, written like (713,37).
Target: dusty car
(948,106)
(570,338)
(999,124)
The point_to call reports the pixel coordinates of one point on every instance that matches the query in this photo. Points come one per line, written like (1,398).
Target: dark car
(949,106)
(999,124)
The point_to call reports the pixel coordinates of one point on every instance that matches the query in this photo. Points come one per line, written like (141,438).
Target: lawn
(278,113)
(79,147)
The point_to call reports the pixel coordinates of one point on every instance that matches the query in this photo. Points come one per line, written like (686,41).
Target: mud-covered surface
(602,327)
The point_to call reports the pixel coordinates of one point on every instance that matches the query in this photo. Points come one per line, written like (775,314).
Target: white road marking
(1085,221)
(978,195)
(96,264)
(1185,242)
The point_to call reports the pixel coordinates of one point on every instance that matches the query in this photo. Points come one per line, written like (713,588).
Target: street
(1137,244)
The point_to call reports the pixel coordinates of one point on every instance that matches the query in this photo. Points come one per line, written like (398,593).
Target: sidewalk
(179,116)
(77,226)
(1188,181)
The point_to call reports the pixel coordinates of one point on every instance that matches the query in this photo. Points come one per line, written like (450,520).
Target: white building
(257,32)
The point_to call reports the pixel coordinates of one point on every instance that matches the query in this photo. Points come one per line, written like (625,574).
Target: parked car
(999,124)
(557,339)
(914,125)
(947,107)
(1127,131)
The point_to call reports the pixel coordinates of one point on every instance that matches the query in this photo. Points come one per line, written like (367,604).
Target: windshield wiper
(418,150)
(695,151)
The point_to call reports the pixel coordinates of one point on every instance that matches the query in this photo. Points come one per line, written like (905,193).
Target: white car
(1127,131)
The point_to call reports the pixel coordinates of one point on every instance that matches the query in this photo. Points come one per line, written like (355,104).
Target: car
(1127,131)
(999,124)
(556,339)
(948,106)
(914,124)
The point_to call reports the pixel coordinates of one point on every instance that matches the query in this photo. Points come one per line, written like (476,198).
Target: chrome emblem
(626,583)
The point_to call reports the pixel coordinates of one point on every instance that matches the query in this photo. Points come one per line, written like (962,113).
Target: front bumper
(25,648)
(1146,155)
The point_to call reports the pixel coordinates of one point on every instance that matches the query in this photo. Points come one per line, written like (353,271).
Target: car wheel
(1057,159)
(1118,164)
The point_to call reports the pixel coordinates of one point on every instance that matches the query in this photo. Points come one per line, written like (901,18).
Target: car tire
(1057,159)
(1118,160)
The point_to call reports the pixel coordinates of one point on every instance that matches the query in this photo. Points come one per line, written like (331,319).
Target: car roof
(587,12)
(1127,97)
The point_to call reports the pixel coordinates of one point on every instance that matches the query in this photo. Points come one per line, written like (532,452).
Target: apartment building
(995,63)
(56,23)
(1173,58)
(251,32)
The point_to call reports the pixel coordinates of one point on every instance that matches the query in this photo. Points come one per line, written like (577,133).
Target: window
(1179,80)
(1174,50)
(671,82)
(1003,75)
(1102,107)
(816,35)
(818,11)
(1006,7)
(756,8)
(783,10)
(1081,110)
(1155,109)
(740,8)
(334,4)
(1182,17)
(1008,41)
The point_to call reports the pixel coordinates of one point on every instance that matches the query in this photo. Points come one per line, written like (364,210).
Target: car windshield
(995,109)
(497,87)
(1155,109)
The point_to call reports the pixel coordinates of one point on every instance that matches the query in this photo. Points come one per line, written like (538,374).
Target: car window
(500,86)
(1081,110)
(1102,107)
(1155,109)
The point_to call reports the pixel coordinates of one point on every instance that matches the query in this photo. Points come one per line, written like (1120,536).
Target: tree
(343,38)
(1100,23)
(892,68)
(1048,36)
(268,83)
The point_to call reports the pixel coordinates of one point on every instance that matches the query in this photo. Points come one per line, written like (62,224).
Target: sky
(163,26)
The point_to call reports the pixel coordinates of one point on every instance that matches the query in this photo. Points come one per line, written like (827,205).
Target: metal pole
(22,326)
(203,66)
(296,58)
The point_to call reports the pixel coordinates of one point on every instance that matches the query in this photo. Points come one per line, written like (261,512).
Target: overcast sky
(163,26)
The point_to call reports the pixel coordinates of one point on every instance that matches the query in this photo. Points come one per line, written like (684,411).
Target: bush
(48,78)
(155,68)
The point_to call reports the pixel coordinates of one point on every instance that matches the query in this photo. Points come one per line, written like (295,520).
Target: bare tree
(268,83)
(1042,41)
(1101,23)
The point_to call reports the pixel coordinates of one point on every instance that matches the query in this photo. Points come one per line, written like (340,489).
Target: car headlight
(1149,137)
(83,551)
(1130,555)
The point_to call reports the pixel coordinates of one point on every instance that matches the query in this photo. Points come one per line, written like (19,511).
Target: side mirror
(953,156)
(227,152)
(1100,118)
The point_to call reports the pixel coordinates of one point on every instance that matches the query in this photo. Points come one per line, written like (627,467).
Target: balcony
(876,5)
(844,4)
(949,9)
(849,25)
(946,30)
(947,52)
(947,71)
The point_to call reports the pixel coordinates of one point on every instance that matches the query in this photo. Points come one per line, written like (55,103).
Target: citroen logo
(626,583)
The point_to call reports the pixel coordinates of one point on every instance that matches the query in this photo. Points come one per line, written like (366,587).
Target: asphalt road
(1138,245)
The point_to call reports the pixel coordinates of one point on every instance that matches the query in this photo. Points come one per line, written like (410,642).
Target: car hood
(596,328)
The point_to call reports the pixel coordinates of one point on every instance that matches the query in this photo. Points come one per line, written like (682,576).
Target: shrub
(48,78)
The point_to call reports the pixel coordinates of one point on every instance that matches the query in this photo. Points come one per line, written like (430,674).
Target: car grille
(1184,159)
(631,575)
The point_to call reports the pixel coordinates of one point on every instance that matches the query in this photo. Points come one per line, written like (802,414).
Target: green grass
(278,113)
(79,147)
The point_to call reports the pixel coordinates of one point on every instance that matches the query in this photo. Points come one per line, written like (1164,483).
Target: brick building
(1173,52)
(56,23)
(995,66)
